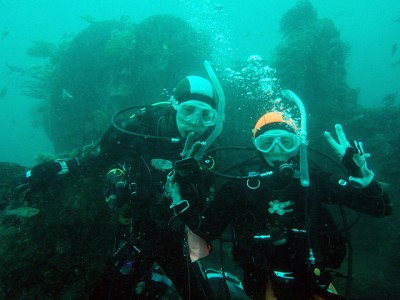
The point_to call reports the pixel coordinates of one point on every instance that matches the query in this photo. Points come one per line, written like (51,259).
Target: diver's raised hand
(191,146)
(339,148)
(352,156)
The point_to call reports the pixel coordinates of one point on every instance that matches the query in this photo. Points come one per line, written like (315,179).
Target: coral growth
(311,60)
(64,249)
(107,66)
(121,45)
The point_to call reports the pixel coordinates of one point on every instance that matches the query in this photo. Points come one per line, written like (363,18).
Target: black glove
(353,158)
(43,174)
(349,163)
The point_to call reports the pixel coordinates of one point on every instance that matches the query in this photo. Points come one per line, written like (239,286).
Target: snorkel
(303,172)
(220,116)
(220,97)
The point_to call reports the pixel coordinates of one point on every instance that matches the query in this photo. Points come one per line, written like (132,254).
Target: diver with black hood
(137,152)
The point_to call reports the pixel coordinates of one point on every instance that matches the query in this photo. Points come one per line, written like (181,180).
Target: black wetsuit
(270,218)
(152,233)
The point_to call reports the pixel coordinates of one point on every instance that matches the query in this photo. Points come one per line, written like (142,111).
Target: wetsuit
(151,232)
(276,221)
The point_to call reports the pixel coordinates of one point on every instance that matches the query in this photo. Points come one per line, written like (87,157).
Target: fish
(218,7)
(5,33)
(16,69)
(66,95)
(88,18)
(355,118)
(396,63)
(385,185)
(23,211)
(394,49)
(3,91)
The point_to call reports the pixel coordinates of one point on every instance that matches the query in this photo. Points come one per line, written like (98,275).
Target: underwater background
(67,66)
(238,30)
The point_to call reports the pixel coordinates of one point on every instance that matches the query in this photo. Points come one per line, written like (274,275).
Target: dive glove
(44,173)
(352,156)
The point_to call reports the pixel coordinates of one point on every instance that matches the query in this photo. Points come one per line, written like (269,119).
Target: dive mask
(288,142)
(196,110)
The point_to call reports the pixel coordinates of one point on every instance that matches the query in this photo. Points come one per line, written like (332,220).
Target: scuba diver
(285,239)
(136,153)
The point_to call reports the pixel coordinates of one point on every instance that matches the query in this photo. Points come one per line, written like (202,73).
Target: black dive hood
(220,99)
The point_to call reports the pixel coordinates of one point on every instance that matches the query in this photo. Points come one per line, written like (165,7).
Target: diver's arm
(113,145)
(360,191)
(45,173)
(372,199)
(214,219)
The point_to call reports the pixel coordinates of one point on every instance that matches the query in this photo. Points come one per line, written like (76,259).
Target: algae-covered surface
(61,252)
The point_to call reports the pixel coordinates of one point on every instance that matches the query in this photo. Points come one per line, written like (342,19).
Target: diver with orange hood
(284,237)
